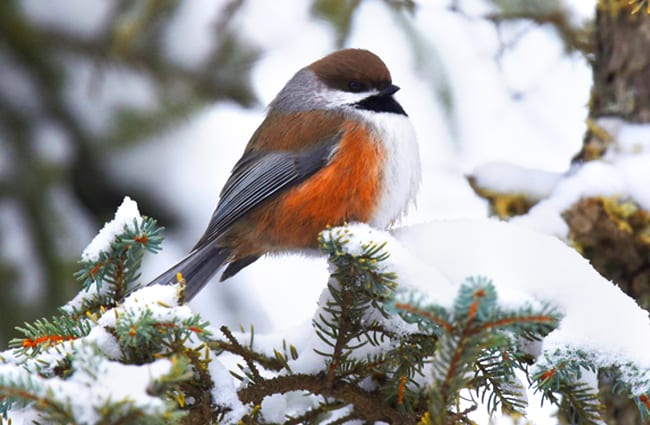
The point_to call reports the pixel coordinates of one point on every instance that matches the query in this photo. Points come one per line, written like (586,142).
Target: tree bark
(621,73)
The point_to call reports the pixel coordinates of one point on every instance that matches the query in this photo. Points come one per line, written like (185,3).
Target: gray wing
(259,176)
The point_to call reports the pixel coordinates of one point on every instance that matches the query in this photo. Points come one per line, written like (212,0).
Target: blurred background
(155,99)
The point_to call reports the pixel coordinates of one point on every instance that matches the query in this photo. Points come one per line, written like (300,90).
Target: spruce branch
(358,287)
(119,265)
(253,373)
(144,335)
(21,388)
(113,273)
(368,405)
(561,372)
(389,355)
(45,333)
(402,365)
(580,403)
(476,348)
(495,379)
(270,363)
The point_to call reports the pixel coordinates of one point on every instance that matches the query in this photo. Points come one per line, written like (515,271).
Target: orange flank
(347,189)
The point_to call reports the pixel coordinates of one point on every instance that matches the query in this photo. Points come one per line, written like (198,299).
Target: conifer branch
(45,333)
(495,379)
(270,363)
(472,344)
(312,414)
(254,372)
(581,403)
(368,405)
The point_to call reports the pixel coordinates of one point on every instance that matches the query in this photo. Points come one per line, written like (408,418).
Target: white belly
(401,173)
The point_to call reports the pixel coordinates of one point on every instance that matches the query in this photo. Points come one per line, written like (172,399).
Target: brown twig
(241,350)
(370,406)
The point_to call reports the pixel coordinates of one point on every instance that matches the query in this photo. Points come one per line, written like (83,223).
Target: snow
(161,300)
(224,392)
(274,408)
(594,178)
(635,172)
(525,266)
(504,177)
(623,172)
(80,392)
(630,138)
(529,266)
(104,341)
(114,375)
(125,215)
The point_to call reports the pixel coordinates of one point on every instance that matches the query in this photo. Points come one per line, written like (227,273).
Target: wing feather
(259,176)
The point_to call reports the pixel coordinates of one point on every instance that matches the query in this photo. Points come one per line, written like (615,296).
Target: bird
(335,147)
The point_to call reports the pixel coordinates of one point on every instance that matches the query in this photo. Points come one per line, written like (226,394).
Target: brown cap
(353,70)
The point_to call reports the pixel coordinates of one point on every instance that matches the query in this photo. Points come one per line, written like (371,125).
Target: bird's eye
(355,86)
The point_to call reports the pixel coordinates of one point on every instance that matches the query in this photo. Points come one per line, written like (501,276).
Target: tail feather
(197,268)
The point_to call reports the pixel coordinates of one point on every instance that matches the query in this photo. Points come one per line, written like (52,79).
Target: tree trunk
(621,73)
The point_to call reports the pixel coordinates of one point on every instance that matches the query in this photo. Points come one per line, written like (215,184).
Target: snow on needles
(124,216)
(85,398)
(526,267)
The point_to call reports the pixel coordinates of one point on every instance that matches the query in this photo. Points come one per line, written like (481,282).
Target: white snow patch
(505,177)
(224,392)
(274,408)
(124,216)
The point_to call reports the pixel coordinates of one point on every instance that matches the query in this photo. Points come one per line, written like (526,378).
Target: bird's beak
(389,90)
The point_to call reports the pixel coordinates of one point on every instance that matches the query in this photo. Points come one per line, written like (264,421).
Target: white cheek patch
(338,98)
(401,173)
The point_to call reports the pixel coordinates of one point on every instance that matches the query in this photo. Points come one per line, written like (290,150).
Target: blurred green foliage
(43,57)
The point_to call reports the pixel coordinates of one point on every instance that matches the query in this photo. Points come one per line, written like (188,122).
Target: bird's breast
(401,173)
(347,189)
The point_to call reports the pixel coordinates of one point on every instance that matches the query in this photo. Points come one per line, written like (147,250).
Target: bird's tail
(197,268)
